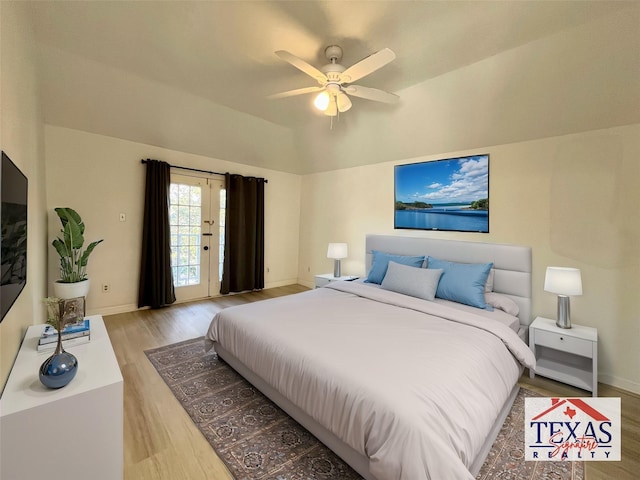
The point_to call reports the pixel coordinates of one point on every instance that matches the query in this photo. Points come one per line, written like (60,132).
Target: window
(185,220)
(223,213)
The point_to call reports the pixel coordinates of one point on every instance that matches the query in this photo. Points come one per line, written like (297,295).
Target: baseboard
(305,283)
(114,310)
(281,283)
(617,382)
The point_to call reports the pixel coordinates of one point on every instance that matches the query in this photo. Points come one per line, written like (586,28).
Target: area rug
(258,441)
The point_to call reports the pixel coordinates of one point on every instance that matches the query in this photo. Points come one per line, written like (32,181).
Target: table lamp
(337,251)
(564,282)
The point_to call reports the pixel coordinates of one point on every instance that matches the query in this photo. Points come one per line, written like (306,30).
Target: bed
(400,387)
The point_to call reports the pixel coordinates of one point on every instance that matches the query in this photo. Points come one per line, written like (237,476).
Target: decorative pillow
(488,286)
(414,281)
(382,259)
(502,302)
(462,282)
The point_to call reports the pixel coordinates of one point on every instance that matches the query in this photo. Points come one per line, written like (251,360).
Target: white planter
(71,290)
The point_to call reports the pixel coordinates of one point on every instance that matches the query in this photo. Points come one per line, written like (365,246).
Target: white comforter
(412,385)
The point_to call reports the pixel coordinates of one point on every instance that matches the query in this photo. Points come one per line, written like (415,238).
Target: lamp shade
(563,281)
(337,251)
(343,102)
(332,108)
(322,100)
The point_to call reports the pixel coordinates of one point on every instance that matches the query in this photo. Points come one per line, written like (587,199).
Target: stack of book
(73,334)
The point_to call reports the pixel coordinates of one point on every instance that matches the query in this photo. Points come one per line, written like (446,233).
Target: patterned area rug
(258,441)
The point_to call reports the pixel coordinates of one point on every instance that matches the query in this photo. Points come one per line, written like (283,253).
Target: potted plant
(73,260)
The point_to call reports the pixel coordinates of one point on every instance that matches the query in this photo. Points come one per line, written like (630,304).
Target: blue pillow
(462,282)
(381,262)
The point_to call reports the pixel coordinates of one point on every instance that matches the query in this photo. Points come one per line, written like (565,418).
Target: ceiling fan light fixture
(335,80)
(332,108)
(322,100)
(343,102)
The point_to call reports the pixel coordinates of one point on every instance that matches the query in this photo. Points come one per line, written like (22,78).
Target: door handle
(206,247)
(207,234)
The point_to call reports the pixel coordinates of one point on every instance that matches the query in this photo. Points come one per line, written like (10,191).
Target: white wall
(573,199)
(125,105)
(102,176)
(21,138)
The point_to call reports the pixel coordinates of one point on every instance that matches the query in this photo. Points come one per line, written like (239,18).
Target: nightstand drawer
(327,278)
(564,343)
(321,282)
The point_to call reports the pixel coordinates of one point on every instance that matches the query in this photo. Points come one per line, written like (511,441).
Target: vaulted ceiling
(195,76)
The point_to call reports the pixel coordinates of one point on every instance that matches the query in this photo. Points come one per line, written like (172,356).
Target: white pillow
(488,287)
(412,281)
(502,302)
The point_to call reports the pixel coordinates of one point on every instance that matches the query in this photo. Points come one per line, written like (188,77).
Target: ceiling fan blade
(367,65)
(371,94)
(302,65)
(299,91)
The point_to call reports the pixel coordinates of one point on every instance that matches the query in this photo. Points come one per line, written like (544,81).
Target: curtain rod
(198,170)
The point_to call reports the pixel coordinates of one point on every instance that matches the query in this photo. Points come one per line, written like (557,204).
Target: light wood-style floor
(161,442)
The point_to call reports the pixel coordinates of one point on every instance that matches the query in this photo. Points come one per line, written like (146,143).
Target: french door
(194,217)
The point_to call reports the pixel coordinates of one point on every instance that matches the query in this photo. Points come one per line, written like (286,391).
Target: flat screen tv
(13,250)
(450,194)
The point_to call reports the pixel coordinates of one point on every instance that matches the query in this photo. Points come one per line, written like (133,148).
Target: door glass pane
(223,213)
(185,220)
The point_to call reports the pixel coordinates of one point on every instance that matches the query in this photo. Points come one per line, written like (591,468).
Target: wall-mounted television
(13,249)
(451,194)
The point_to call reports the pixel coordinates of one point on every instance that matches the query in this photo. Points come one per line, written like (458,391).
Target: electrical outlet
(123,217)
(308,269)
(106,288)
(267,269)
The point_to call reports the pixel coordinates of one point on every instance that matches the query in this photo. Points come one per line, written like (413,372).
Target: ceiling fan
(335,80)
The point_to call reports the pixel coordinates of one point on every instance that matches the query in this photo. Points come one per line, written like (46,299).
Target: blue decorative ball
(58,370)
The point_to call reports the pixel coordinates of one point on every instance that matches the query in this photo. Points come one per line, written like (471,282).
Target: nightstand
(569,355)
(326,278)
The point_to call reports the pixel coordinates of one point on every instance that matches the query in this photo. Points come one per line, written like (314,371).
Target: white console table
(72,433)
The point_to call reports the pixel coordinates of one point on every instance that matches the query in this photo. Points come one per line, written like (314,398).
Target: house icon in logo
(570,412)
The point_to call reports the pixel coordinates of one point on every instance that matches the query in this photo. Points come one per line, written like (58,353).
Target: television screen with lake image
(450,195)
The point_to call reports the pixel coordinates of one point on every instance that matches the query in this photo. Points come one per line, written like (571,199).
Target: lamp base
(564,312)
(336,268)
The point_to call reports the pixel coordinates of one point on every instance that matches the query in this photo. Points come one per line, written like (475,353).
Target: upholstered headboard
(511,263)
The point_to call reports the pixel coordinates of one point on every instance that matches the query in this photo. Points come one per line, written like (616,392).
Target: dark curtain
(156,282)
(243,267)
